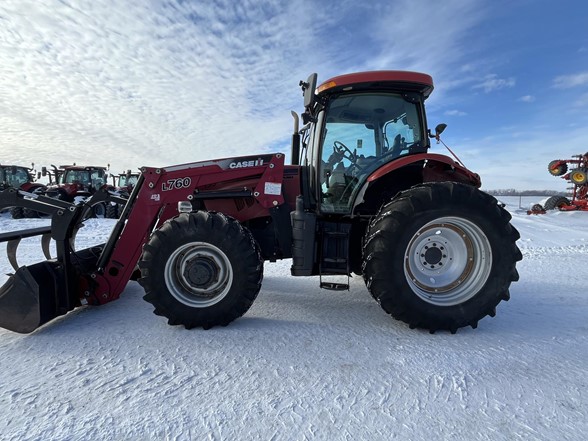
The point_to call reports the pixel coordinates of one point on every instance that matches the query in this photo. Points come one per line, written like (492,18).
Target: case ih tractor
(76,184)
(574,170)
(23,178)
(362,196)
(122,186)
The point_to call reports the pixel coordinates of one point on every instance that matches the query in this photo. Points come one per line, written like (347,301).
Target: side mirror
(308,89)
(38,175)
(44,171)
(439,129)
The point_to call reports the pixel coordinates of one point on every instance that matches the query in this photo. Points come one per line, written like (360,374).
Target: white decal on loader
(176,184)
(242,164)
(273,188)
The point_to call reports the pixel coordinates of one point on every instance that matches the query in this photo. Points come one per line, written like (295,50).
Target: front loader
(362,196)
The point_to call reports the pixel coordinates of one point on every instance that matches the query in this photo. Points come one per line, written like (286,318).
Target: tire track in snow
(542,252)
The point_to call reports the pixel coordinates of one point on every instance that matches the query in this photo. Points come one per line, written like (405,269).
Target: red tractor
(23,178)
(574,170)
(122,186)
(75,184)
(363,195)
(125,182)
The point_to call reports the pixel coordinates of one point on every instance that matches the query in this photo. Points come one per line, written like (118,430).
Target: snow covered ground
(306,363)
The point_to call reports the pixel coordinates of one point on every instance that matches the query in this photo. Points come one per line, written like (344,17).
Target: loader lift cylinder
(120,224)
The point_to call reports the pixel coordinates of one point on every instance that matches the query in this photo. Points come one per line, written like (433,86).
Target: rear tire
(111,211)
(201,269)
(555,202)
(441,256)
(99,210)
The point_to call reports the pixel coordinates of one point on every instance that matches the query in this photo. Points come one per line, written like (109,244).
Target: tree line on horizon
(513,192)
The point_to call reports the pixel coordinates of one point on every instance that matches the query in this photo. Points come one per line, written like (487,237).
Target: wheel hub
(447,261)
(201,272)
(433,255)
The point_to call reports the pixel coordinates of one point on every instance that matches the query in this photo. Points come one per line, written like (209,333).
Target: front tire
(441,256)
(201,269)
(111,211)
(17,212)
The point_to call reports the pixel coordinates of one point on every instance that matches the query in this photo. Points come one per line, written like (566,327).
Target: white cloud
(455,113)
(582,101)
(527,99)
(492,82)
(149,83)
(441,51)
(160,82)
(567,81)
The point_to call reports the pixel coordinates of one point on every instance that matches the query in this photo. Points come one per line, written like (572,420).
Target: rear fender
(406,172)
(436,168)
(32,187)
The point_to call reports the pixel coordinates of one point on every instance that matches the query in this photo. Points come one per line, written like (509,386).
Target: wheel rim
(448,261)
(578,177)
(198,274)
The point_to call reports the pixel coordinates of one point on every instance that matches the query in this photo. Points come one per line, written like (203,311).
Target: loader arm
(99,275)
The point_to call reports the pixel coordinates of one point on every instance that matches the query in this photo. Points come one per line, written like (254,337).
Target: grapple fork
(38,293)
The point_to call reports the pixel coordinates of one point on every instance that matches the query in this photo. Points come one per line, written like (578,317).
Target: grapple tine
(11,247)
(45,239)
(72,239)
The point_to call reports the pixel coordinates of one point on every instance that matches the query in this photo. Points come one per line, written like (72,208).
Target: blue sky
(167,82)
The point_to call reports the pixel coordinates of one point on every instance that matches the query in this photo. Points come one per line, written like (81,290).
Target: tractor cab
(14,176)
(128,180)
(93,177)
(76,181)
(355,125)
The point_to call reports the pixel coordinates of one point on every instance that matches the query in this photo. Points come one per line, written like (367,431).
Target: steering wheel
(343,151)
(340,149)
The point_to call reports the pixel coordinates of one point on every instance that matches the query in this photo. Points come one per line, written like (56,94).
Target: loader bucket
(38,293)
(27,299)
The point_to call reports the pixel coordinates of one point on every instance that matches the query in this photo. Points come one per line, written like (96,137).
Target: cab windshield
(96,178)
(14,176)
(362,132)
(124,181)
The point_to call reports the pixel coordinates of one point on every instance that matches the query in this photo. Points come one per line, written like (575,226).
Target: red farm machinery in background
(575,171)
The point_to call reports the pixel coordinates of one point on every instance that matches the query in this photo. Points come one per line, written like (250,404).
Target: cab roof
(381,79)
(82,167)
